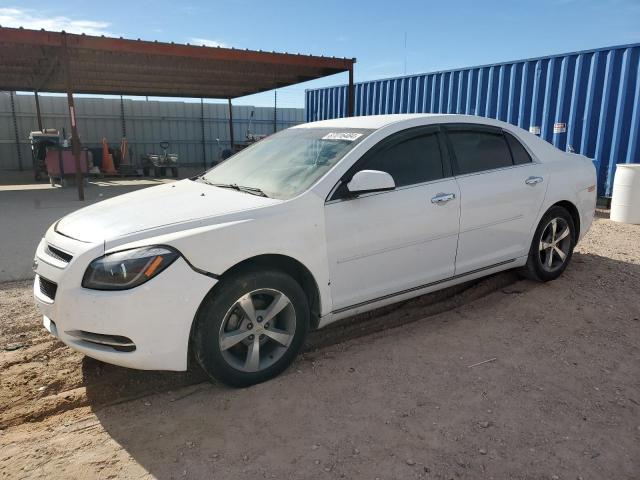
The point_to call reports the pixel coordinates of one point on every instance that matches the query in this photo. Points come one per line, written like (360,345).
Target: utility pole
(405,53)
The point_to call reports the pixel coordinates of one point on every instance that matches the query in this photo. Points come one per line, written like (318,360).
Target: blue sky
(440,34)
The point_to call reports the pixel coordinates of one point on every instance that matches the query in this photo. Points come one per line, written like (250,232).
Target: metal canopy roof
(42,61)
(35,61)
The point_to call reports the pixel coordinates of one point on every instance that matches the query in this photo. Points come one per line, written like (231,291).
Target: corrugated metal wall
(588,101)
(147,123)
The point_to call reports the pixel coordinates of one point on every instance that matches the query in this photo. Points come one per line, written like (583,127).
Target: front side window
(477,151)
(414,160)
(286,163)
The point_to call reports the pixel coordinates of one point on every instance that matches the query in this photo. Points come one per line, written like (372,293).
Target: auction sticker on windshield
(346,136)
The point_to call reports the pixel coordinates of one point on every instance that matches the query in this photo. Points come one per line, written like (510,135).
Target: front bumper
(155,317)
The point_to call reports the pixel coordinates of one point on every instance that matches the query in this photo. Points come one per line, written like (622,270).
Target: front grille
(117,342)
(48,288)
(58,254)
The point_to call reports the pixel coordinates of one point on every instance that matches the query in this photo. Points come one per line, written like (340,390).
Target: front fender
(294,229)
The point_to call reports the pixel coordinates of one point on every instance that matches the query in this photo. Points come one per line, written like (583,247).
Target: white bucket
(625,201)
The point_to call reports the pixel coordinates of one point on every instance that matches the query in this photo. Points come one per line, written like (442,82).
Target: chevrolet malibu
(311,225)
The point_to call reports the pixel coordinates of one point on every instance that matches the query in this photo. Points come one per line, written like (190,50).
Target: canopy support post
(15,128)
(204,145)
(122,117)
(231,125)
(75,138)
(38,114)
(351,93)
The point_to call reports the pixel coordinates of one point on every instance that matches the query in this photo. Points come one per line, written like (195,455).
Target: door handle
(442,198)
(531,181)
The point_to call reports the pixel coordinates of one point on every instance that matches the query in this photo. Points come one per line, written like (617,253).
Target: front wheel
(251,327)
(552,245)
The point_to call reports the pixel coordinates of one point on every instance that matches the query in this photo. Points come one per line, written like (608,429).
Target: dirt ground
(394,394)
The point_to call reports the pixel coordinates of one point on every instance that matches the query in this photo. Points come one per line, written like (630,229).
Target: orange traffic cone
(107,159)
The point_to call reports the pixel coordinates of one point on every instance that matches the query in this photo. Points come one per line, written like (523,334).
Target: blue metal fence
(587,101)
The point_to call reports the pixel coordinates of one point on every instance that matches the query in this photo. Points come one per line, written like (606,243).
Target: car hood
(155,207)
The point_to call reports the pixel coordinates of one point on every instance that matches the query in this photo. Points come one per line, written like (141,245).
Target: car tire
(548,241)
(225,317)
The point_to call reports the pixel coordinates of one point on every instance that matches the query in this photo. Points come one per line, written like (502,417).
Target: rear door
(501,192)
(381,244)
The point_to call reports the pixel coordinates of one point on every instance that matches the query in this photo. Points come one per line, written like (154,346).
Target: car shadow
(108,384)
(204,428)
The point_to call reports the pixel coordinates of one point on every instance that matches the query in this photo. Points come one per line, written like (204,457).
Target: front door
(381,244)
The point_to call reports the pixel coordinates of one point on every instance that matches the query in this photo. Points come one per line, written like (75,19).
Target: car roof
(378,121)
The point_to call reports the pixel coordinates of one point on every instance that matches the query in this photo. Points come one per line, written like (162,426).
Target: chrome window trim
(370,194)
(491,170)
(438,126)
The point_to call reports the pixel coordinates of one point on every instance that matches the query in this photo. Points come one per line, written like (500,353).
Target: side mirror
(371,181)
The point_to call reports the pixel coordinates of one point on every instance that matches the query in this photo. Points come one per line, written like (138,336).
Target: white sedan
(313,224)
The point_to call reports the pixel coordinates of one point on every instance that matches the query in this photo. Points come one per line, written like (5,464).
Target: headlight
(127,269)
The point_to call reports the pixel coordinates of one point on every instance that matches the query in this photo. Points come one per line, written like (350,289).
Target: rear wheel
(552,245)
(251,327)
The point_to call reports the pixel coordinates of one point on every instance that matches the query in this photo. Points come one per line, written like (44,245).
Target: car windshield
(286,163)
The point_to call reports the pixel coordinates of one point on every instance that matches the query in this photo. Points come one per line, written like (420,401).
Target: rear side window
(520,155)
(410,161)
(477,151)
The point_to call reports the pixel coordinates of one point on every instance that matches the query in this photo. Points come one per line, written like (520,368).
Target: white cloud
(207,42)
(35,19)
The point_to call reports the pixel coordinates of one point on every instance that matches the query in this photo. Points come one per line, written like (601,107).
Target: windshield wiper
(201,178)
(235,186)
(252,190)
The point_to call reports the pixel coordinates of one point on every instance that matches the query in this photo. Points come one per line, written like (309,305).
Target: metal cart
(161,162)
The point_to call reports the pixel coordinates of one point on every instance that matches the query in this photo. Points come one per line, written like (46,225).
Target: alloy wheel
(555,244)
(257,330)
